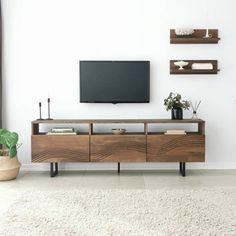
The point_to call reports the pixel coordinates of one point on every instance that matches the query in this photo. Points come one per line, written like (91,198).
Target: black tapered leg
(56,168)
(119,167)
(52,172)
(182,168)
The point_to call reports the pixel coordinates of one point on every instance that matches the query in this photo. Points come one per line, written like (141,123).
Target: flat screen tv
(114,81)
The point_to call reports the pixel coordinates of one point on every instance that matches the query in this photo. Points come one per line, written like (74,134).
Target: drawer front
(118,148)
(176,148)
(51,148)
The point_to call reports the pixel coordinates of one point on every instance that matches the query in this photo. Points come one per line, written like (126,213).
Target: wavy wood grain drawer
(118,148)
(51,148)
(176,148)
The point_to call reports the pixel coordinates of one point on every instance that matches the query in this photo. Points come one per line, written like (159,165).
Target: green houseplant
(9,164)
(175,103)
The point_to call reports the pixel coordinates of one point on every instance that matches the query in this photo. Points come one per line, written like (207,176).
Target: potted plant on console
(175,103)
(9,164)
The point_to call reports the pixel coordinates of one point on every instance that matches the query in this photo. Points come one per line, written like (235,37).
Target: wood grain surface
(197,37)
(60,148)
(187,69)
(130,147)
(118,148)
(175,148)
(113,121)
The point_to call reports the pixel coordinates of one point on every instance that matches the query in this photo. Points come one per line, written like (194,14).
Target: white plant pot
(9,167)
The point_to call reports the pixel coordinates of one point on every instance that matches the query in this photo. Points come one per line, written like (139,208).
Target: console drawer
(118,148)
(176,148)
(54,148)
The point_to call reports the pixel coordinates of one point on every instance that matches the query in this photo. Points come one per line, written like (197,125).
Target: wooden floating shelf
(196,38)
(188,72)
(174,70)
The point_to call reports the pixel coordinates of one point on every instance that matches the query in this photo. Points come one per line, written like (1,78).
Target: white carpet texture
(123,212)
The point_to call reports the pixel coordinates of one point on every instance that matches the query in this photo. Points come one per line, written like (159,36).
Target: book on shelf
(62,130)
(175,131)
(62,133)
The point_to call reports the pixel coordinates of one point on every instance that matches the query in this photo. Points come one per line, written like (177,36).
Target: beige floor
(27,181)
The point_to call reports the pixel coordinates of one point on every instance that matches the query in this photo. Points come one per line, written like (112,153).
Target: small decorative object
(181,64)
(175,103)
(202,66)
(49,118)
(175,132)
(118,131)
(195,108)
(207,35)
(40,114)
(9,164)
(184,32)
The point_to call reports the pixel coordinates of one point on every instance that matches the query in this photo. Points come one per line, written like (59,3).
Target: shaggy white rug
(123,212)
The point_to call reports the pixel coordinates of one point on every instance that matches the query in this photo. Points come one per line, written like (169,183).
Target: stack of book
(175,131)
(202,66)
(62,131)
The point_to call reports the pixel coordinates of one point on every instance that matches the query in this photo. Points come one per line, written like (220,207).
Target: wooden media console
(130,147)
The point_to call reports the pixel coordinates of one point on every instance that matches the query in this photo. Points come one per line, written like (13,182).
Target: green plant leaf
(174,101)
(9,139)
(12,152)
(3,133)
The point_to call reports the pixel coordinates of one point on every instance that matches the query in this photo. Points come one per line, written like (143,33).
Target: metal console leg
(52,172)
(118,167)
(182,168)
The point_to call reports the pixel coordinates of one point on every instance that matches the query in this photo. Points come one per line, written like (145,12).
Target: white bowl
(181,64)
(118,131)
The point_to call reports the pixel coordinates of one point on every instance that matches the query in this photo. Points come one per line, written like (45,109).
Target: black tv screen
(114,81)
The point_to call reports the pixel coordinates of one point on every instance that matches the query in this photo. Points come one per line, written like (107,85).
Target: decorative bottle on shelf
(194,117)
(207,35)
(195,108)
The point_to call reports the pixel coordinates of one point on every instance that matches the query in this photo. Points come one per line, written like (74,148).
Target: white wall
(44,40)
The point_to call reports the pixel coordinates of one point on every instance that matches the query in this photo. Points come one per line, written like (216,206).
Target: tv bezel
(115,102)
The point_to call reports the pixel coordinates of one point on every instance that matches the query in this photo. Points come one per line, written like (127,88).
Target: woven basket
(9,167)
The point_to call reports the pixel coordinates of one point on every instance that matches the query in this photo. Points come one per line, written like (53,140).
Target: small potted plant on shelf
(9,164)
(175,103)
